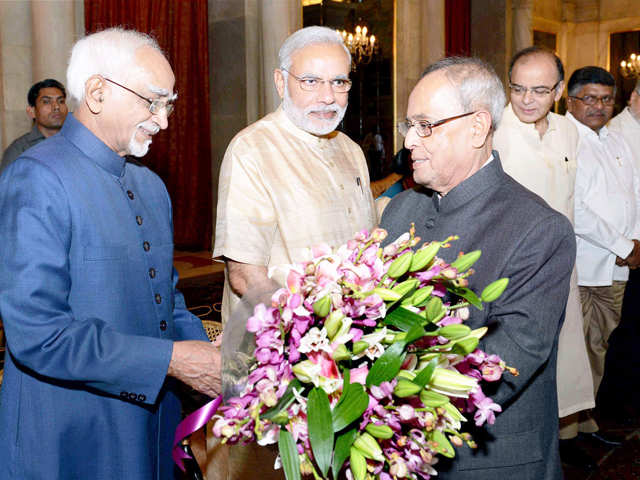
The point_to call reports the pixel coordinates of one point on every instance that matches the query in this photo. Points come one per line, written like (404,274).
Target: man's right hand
(197,364)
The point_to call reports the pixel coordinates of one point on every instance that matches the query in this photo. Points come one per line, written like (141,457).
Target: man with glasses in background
(607,217)
(288,182)
(97,334)
(538,149)
(452,114)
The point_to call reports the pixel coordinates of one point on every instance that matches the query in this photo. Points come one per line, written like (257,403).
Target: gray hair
(477,85)
(305,37)
(110,53)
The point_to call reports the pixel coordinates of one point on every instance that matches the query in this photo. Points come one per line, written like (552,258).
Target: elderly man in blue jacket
(97,333)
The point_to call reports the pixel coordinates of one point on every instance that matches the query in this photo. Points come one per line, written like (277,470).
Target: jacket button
(133,396)
(124,394)
(139,220)
(142,397)
(152,272)
(158,298)
(130,194)
(146,245)
(163,325)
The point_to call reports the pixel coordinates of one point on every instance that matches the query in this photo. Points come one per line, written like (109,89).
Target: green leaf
(467,294)
(463,263)
(423,378)
(289,455)
(284,402)
(441,444)
(494,290)
(351,406)
(320,430)
(387,365)
(414,334)
(403,319)
(344,441)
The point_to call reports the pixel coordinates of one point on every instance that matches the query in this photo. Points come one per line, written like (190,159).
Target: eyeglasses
(541,91)
(312,84)
(591,100)
(155,104)
(423,127)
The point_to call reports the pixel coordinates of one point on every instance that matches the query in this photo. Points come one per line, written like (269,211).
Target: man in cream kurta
(538,149)
(288,182)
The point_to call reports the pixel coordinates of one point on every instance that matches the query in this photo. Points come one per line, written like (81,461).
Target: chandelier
(361,45)
(630,68)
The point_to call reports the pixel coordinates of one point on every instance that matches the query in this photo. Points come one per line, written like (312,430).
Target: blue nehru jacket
(90,307)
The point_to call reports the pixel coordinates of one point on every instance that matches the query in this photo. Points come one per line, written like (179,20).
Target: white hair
(110,53)
(309,36)
(476,84)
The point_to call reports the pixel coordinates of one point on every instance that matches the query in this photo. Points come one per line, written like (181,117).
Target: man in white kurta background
(289,182)
(538,149)
(607,215)
(627,123)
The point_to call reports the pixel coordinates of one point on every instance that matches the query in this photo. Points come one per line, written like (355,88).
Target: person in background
(47,107)
(97,334)
(538,149)
(607,219)
(451,117)
(288,182)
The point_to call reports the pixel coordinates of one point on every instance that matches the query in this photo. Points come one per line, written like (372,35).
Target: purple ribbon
(190,424)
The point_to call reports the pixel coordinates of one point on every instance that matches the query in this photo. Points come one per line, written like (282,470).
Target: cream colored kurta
(626,125)
(283,190)
(547,167)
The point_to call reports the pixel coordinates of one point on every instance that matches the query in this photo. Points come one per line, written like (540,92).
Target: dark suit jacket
(523,239)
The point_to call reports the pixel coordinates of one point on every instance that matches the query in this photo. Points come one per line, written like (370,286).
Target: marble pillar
(522,18)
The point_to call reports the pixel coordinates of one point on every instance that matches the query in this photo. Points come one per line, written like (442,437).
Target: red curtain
(457,15)
(180,155)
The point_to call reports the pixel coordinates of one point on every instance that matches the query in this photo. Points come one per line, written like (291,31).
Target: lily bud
(359,347)
(406,388)
(454,331)
(306,371)
(452,383)
(358,464)
(386,294)
(341,353)
(433,399)
(400,265)
(464,262)
(379,431)
(322,306)
(333,323)
(423,256)
(494,290)
(368,446)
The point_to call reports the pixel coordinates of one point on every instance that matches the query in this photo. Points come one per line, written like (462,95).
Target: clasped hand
(633,259)
(197,364)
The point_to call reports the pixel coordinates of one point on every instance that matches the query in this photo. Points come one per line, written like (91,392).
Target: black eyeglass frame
(408,125)
(608,103)
(155,104)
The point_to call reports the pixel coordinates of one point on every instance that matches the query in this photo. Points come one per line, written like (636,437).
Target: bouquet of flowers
(360,366)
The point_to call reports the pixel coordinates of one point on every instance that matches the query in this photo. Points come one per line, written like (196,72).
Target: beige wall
(35,39)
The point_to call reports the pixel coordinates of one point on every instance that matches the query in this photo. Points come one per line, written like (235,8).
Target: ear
(480,128)
(559,90)
(632,98)
(570,104)
(278,78)
(94,89)
(31,111)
